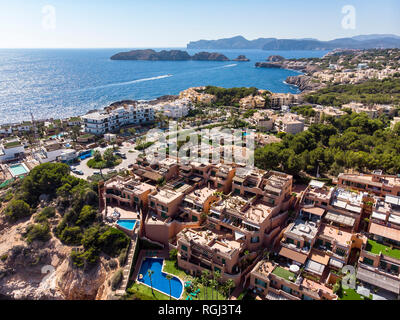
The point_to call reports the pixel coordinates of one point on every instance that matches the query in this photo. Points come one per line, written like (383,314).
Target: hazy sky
(173,23)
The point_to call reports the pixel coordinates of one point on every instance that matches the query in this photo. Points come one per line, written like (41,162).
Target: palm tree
(150,273)
(229,285)
(213,285)
(217,277)
(204,280)
(169,278)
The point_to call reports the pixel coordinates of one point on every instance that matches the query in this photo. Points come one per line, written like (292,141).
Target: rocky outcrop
(275,58)
(241,58)
(168,55)
(304,83)
(269,65)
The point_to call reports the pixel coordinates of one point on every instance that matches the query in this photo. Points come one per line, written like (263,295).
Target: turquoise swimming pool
(18,170)
(127,224)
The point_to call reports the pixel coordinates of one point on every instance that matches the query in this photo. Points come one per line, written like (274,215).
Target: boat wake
(125,83)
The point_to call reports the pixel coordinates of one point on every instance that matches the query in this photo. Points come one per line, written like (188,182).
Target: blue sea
(64,82)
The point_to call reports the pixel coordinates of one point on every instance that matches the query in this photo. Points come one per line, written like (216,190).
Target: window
(223,261)
(195,219)
(255,239)
(340,252)
(289,240)
(368,261)
(152,204)
(184,248)
(136,199)
(260,283)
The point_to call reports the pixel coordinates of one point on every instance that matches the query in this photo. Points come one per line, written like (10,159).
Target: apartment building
(256,208)
(274,282)
(377,183)
(379,262)
(282,99)
(200,250)
(175,109)
(373,111)
(99,123)
(290,123)
(322,112)
(127,192)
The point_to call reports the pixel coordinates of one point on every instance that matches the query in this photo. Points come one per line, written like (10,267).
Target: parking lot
(130,159)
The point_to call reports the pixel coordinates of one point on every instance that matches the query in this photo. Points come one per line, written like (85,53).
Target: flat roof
(378,280)
(389,233)
(316,211)
(340,218)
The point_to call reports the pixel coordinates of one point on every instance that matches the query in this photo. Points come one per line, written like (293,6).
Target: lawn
(351,294)
(283,273)
(377,248)
(142,292)
(171,267)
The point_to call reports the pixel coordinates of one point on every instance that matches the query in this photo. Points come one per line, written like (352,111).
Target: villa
(11,149)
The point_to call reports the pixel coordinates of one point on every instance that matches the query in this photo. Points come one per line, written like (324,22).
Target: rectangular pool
(127,224)
(18,170)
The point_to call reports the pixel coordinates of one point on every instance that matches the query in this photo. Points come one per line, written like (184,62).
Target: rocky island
(241,58)
(168,55)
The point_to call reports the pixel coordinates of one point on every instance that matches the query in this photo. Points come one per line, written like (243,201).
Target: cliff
(170,55)
(304,83)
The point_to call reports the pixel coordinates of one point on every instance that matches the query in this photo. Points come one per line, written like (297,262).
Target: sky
(174,23)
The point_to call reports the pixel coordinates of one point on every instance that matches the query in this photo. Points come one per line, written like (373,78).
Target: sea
(59,83)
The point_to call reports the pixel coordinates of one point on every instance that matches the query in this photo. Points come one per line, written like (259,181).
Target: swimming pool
(127,224)
(18,170)
(159,280)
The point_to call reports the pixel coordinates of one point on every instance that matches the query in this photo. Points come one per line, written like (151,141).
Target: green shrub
(173,254)
(71,236)
(113,240)
(46,213)
(116,279)
(37,231)
(122,256)
(4,257)
(86,215)
(17,209)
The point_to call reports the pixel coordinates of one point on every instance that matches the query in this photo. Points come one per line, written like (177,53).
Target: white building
(11,149)
(290,123)
(101,122)
(176,109)
(68,155)
(50,151)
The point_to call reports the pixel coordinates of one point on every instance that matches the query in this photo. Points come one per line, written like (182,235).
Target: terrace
(378,248)
(284,274)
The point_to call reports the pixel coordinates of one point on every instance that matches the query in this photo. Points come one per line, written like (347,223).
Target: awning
(340,219)
(239,235)
(379,216)
(293,255)
(251,225)
(316,184)
(319,257)
(389,233)
(215,212)
(336,263)
(316,211)
(394,219)
(379,280)
(392,199)
(315,267)
(238,179)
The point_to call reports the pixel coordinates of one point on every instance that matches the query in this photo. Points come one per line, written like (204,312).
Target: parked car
(78,172)
(121,155)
